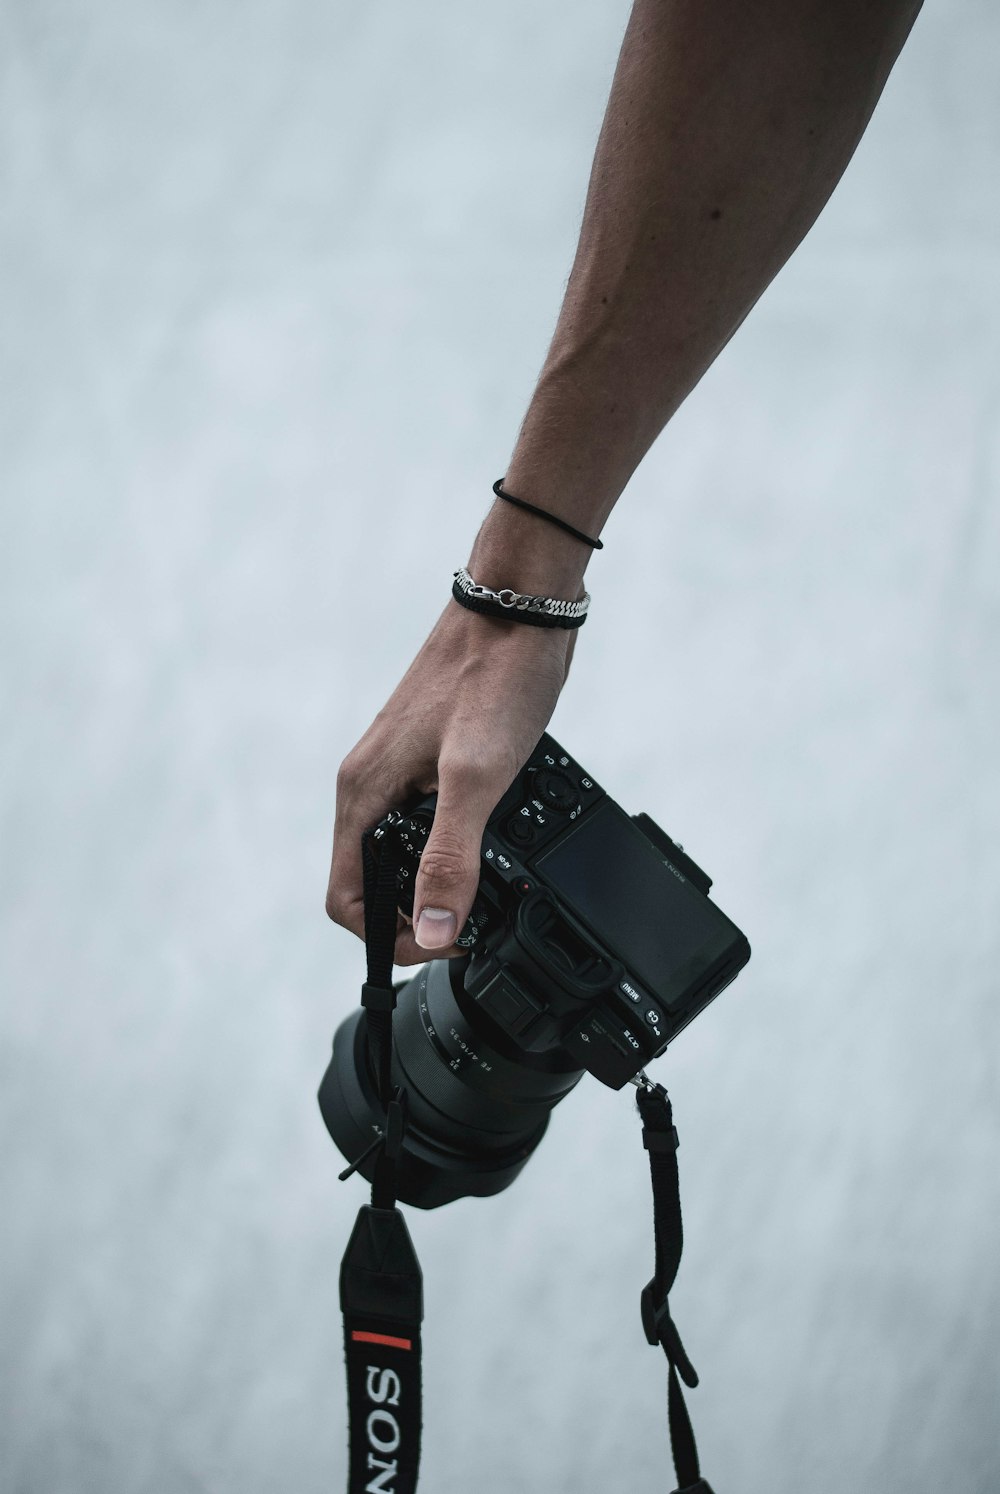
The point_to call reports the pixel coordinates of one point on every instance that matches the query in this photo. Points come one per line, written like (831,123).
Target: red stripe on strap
(381,1338)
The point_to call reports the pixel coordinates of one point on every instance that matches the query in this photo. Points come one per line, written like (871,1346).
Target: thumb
(449,866)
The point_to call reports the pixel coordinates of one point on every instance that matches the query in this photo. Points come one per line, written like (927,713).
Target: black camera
(591,943)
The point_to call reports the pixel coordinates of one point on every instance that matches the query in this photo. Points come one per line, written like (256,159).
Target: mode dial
(474,925)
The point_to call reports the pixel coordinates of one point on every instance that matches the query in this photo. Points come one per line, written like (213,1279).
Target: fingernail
(435,928)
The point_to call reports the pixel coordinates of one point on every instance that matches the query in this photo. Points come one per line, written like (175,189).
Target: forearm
(729,124)
(727,128)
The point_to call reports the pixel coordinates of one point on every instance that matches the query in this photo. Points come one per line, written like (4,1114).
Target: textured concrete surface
(276,279)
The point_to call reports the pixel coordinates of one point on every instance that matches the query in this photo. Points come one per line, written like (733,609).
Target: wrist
(520,550)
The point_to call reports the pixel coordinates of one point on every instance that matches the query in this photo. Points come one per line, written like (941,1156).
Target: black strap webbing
(659,1137)
(377,994)
(381,1288)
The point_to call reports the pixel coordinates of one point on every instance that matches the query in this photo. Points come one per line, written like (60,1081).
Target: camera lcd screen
(620,886)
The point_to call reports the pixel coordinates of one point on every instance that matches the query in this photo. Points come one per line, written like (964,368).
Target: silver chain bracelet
(516,601)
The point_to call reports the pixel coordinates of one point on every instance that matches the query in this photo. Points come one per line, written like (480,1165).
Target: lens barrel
(474,1116)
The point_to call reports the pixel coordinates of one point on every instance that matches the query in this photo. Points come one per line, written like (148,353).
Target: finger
(449,866)
(361,802)
(409,952)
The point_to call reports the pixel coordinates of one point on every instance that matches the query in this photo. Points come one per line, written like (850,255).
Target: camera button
(641,1008)
(495,857)
(653,1019)
(632,992)
(520,827)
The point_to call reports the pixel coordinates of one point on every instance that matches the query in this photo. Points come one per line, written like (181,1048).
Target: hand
(462,721)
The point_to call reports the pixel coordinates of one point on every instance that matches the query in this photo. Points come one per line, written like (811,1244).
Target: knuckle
(462,775)
(350,773)
(446,864)
(344,909)
(471,773)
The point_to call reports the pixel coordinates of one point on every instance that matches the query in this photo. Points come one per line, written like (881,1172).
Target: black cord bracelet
(498,488)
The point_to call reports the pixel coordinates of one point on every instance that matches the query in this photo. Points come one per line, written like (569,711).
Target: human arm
(727,128)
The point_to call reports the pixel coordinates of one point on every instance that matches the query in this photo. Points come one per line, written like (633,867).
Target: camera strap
(659,1137)
(381,1287)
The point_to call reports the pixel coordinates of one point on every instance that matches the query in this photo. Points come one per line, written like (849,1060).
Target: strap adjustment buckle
(378,998)
(660,1329)
(660,1141)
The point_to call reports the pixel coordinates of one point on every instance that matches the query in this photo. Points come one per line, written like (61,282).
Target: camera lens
(474,1115)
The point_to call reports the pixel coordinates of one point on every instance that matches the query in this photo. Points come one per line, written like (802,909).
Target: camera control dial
(474,924)
(554,788)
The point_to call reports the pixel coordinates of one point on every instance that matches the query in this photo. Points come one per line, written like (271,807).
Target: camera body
(592,941)
(592,932)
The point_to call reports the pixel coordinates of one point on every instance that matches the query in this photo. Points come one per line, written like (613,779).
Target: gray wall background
(276,281)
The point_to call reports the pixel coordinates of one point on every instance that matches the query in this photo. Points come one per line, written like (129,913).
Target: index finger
(361,801)
(363,798)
